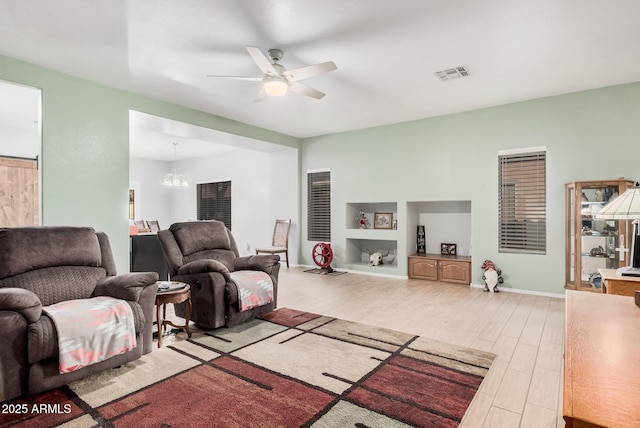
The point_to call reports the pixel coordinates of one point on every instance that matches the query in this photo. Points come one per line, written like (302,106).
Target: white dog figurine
(492,276)
(375,259)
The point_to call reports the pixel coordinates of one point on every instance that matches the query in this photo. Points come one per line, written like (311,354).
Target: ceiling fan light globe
(275,87)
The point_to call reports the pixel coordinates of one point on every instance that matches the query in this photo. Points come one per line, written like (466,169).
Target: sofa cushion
(23,249)
(201,235)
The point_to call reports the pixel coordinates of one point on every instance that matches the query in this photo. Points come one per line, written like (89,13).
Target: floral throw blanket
(91,330)
(255,288)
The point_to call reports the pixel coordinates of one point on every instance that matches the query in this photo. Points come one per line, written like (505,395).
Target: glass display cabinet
(592,244)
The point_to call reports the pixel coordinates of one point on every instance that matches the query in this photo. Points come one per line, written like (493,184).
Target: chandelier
(175,179)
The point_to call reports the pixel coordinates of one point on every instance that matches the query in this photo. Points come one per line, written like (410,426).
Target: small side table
(172,296)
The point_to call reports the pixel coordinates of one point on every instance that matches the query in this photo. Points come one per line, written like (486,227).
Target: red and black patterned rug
(288,369)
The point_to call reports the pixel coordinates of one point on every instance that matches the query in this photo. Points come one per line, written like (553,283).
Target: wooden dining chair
(280,240)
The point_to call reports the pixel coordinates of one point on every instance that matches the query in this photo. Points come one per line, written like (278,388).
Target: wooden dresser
(612,283)
(437,267)
(601,361)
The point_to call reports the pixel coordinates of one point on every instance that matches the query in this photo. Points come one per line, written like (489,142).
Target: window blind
(214,202)
(319,206)
(522,202)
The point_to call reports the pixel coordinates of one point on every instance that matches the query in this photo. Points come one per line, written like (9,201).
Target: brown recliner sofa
(41,266)
(203,254)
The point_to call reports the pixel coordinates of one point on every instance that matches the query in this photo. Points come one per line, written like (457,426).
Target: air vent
(452,73)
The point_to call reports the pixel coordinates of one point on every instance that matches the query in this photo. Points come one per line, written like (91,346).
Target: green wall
(589,135)
(85,148)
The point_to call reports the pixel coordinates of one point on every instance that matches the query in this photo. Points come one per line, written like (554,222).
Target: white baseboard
(517,290)
(505,289)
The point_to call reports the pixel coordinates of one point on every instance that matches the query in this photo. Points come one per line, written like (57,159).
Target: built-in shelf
(369,209)
(377,234)
(358,250)
(445,221)
(360,242)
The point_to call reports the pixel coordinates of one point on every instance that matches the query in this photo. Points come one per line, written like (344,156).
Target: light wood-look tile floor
(526,332)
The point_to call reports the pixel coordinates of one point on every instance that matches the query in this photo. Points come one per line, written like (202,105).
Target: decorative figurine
(599,195)
(492,276)
(362,220)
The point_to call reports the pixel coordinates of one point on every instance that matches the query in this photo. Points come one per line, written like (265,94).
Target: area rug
(288,369)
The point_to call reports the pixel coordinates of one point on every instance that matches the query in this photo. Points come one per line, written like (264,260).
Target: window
(522,201)
(319,206)
(214,202)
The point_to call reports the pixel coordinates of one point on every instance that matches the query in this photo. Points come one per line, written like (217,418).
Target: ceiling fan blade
(261,60)
(251,79)
(310,71)
(261,96)
(301,89)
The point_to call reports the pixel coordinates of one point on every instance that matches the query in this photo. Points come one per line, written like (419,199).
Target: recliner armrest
(127,286)
(204,266)
(264,263)
(23,301)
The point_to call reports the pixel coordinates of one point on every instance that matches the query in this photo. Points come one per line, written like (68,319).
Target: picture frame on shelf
(448,249)
(382,220)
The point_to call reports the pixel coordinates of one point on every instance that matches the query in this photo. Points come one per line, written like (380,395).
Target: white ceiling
(386,52)
(152,137)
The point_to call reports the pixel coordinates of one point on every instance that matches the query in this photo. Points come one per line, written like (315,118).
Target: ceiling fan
(277,80)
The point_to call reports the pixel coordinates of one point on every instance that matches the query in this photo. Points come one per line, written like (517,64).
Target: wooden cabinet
(437,267)
(423,268)
(591,243)
(601,360)
(612,283)
(457,271)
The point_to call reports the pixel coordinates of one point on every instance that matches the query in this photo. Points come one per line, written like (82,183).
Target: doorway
(20,144)
(19,190)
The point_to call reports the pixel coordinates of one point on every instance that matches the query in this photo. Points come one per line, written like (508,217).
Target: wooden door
(18,192)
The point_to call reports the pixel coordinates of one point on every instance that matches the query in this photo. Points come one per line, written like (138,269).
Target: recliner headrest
(23,249)
(197,236)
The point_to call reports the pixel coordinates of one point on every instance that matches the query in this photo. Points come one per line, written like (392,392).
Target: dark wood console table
(146,255)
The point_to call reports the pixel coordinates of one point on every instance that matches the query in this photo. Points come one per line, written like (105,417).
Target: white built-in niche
(445,222)
(361,242)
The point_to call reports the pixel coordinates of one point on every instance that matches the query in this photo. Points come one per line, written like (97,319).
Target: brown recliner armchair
(42,266)
(204,254)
